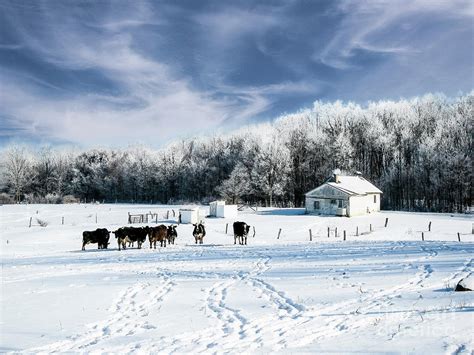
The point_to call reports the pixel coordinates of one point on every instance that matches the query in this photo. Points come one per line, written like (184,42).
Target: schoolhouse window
(316,205)
(333,202)
(340,204)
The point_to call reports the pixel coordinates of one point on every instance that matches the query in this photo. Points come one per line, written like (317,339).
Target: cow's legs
(119,244)
(235,239)
(84,246)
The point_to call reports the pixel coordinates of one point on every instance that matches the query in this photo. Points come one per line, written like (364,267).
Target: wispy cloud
(385,27)
(119,72)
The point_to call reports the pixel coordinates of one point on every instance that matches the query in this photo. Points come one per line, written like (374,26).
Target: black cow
(199,232)
(158,234)
(129,235)
(172,234)
(241,231)
(100,236)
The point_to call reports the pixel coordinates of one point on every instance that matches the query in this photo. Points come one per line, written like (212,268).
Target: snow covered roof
(353,185)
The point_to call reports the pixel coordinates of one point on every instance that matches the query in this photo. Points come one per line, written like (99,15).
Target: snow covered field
(381,291)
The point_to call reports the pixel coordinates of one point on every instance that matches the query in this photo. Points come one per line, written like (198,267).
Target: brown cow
(158,234)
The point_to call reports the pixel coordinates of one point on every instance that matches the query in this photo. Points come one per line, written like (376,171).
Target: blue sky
(113,73)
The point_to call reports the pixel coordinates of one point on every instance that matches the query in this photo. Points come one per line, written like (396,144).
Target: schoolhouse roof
(352,185)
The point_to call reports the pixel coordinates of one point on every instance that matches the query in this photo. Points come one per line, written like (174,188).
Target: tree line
(417,151)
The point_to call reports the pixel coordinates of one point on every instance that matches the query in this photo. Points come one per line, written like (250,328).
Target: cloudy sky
(114,73)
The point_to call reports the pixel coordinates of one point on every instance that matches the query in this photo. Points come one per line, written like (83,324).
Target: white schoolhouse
(344,195)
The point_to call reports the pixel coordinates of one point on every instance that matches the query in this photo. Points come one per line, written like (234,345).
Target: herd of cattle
(128,236)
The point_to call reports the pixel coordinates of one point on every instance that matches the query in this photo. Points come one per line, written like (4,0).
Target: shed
(189,215)
(226,211)
(213,207)
(344,195)
(220,209)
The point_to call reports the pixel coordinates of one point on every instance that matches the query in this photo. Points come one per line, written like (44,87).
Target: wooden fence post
(226,226)
(472,232)
(386,222)
(335,232)
(459,237)
(31,219)
(429,227)
(357,231)
(279,232)
(62,220)
(129,218)
(370,226)
(422,236)
(328,232)
(253,236)
(168,214)
(344,235)
(96,218)
(310,235)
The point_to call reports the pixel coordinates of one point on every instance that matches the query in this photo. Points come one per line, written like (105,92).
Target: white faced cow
(199,232)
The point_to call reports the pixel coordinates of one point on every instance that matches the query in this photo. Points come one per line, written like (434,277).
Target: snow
(355,185)
(381,291)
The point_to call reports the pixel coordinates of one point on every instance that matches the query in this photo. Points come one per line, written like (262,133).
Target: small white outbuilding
(213,207)
(189,215)
(220,209)
(344,195)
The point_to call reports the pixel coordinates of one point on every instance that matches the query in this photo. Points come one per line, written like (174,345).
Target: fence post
(370,226)
(422,236)
(459,237)
(386,222)
(253,236)
(279,232)
(31,219)
(472,232)
(62,220)
(328,232)
(168,214)
(310,235)
(226,226)
(129,218)
(429,227)
(344,235)
(96,218)
(357,231)
(335,232)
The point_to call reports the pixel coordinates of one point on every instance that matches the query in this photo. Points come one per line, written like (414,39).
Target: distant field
(383,290)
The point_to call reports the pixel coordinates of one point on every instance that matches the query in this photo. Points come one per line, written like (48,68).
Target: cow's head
(247,228)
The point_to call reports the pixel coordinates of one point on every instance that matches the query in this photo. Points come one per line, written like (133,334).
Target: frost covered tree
(17,165)
(236,186)
(418,151)
(270,169)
